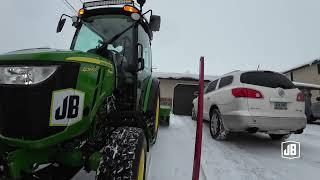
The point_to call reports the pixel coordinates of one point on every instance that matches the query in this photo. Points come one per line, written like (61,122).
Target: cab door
(144,50)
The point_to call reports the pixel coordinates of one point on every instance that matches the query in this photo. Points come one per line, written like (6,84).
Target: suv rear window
(266,79)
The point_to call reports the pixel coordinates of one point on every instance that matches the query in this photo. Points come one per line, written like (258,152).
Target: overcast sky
(231,34)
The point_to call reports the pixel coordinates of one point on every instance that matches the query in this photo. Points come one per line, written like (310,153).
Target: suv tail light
(300,97)
(247,93)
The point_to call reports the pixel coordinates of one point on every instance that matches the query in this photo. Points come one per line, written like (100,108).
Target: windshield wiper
(114,38)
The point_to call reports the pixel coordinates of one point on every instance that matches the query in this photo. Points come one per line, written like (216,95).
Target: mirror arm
(147,12)
(63,20)
(65,15)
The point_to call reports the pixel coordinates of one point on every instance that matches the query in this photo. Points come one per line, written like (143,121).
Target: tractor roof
(96,8)
(95,4)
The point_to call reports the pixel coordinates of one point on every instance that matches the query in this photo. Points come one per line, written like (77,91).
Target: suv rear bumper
(272,125)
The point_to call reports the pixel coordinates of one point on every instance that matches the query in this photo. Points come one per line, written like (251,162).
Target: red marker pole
(198,143)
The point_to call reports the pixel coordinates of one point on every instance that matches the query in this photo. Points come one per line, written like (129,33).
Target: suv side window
(225,81)
(211,86)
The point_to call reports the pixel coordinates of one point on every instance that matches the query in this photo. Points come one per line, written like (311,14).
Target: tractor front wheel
(124,156)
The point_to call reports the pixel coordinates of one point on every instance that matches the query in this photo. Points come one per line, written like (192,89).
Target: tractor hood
(46,54)
(39,114)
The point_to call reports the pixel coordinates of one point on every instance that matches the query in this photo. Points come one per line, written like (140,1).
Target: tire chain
(119,154)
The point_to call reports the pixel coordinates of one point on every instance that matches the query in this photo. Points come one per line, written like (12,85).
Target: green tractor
(93,107)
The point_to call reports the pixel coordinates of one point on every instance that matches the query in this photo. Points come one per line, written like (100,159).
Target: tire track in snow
(256,156)
(203,175)
(172,155)
(223,160)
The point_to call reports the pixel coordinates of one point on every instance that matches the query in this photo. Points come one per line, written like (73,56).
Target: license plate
(280,106)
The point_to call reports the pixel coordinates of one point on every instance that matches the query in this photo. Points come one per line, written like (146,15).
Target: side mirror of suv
(318,98)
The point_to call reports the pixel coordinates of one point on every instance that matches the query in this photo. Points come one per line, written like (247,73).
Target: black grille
(25,110)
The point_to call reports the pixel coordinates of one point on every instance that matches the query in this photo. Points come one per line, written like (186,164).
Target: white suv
(253,101)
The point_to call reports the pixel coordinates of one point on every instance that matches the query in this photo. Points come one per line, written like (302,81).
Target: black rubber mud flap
(122,155)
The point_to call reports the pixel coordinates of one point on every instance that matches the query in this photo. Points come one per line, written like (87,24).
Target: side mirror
(155,22)
(318,98)
(62,21)
(140,57)
(60,25)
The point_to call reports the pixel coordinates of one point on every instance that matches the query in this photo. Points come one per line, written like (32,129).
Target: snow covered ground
(244,156)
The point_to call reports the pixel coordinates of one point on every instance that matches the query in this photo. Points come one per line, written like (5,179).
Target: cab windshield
(98,29)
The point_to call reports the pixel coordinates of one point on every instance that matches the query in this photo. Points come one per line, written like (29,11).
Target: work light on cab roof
(94,4)
(128,6)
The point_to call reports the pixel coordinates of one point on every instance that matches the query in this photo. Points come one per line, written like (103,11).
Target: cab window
(144,40)
(102,28)
(87,39)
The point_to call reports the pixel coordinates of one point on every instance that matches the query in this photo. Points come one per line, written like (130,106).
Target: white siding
(308,74)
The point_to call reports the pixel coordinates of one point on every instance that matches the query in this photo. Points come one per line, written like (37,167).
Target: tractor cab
(118,30)
(75,108)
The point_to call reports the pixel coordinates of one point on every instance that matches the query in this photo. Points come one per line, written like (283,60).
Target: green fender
(150,95)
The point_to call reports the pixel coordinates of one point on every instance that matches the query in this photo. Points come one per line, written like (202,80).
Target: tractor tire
(156,119)
(124,155)
(217,129)
(279,136)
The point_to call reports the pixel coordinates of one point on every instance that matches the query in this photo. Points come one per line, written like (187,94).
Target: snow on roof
(306,85)
(162,75)
(316,61)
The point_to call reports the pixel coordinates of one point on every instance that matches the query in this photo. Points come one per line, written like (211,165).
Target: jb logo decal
(66,107)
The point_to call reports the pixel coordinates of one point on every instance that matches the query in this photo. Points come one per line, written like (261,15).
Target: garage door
(182,98)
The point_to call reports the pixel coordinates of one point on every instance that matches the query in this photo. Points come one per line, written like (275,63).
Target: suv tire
(216,126)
